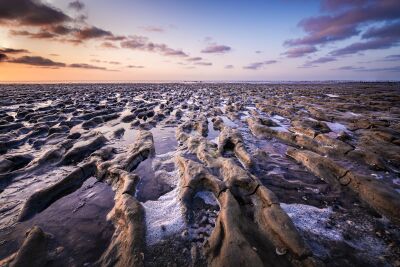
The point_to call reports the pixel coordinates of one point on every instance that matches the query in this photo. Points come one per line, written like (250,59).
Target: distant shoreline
(204,82)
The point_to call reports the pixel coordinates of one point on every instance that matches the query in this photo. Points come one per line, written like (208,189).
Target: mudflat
(200,174)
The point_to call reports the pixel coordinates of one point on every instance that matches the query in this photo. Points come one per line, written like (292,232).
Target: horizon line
(193,81)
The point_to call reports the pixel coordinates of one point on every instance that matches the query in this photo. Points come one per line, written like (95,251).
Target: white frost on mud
(332,95)
(164,217)
(279,118)
(311,219)
(228,122)
(336,127)
(207,197)
(280,129)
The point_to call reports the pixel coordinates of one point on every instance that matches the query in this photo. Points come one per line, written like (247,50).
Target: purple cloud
(348,68)
(377,38)
(143,43)
(392,58)
(218,49)
(387,69)
(203,63)
(108,45)
(254,66)
(92,32)
(334,5)
(320,60)
(153,29)
(194,59)
(346,20)
(258,65)
(300,51)
(228,67)
(363,69)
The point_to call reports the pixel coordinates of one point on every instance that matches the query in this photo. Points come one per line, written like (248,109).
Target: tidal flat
(200,174)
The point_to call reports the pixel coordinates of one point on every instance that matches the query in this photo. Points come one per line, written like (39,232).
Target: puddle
(158,176)
(212,133)
(228,122)
(164,139)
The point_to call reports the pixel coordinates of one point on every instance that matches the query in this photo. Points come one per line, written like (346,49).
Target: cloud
(77,5)
(45,62)
(36,61)
(3,57)
(363,69)
(92,32)
(116,38)
(259,65)
(348,68)
(334,5)
(203,63)
(377,38)
(108,45)
(320,60)
(142,43)
(30,12)
(386,69)
(219,49)
(12,51)
(258,52)
(61,29)
(387,31)
(254,66)
(300,51)
(392,58)
(228,67)
(346,19)
(194,59)
(33,35)
(153,29)
(135,42)
(86,66)
(134,67)
(340,26)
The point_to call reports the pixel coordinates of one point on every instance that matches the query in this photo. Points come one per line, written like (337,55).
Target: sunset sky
(160,40)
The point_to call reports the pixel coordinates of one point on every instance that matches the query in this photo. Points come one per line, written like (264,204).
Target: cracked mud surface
(200,175)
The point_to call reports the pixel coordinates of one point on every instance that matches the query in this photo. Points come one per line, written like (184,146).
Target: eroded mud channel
(200,175)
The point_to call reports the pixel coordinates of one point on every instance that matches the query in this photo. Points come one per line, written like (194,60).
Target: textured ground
(200,175)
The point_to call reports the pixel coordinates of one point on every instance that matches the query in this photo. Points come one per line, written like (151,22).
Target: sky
(191,40)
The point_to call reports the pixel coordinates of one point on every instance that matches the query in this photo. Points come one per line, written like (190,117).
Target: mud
(198,174)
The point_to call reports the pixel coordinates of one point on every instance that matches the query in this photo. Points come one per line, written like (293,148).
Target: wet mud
(198,174)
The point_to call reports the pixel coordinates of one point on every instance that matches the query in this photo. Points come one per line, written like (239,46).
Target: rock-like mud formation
(200,175)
